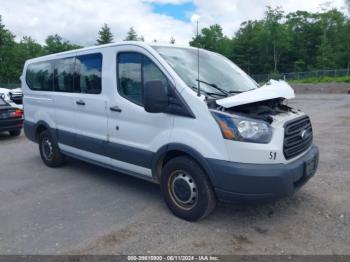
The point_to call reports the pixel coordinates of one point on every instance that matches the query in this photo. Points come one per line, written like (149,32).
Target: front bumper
(237,181)
(11,124)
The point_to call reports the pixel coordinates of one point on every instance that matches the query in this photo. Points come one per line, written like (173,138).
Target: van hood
(271,90)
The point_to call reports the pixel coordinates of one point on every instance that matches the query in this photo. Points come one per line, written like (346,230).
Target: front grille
(297,137)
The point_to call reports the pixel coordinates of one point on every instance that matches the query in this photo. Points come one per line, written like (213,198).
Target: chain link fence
(302,75)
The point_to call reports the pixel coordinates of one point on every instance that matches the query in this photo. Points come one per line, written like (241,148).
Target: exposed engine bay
(263,110)
(261,103)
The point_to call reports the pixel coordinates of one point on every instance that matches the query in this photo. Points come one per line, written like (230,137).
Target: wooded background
(280,42)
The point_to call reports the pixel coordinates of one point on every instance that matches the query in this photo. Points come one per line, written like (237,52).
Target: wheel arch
(33,130)
(173,150)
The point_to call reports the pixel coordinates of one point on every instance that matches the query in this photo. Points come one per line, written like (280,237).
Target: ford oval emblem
(304,134)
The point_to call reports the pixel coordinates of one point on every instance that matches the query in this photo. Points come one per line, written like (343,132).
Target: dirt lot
(80,208)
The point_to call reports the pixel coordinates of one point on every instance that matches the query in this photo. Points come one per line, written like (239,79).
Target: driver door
(135,134)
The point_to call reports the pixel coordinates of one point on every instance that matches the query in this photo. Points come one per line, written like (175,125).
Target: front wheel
(49,151)
(186,189)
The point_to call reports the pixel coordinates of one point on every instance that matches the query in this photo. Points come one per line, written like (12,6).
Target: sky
(79,21)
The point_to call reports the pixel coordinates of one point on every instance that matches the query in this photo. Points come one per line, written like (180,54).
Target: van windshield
(215,71)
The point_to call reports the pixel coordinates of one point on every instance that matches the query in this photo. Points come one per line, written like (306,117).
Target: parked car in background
(11,118)
(13,97)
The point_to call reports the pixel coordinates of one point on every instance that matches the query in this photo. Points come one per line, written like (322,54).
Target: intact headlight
(239,128)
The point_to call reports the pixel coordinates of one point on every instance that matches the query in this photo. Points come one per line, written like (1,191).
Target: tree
(172,40)
(30,47)
(131,35)
(277,35)
(249,48)
(7,54)
(56,44)
(213,39)
(105,35)
(141,38)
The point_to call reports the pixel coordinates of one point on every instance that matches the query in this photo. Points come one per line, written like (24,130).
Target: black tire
(49,151)
(15,132)
(189,176)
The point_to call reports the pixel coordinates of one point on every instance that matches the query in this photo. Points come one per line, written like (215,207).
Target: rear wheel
(49,151)
(15,132)
(186,189)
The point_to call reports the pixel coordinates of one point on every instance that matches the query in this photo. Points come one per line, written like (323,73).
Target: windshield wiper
(209,93)
(238,92)
(214,86)
(235,92)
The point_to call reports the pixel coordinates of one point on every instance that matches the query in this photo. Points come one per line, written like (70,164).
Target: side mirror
(155,97)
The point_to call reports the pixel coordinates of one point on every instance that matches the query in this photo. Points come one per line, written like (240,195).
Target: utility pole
(199,83)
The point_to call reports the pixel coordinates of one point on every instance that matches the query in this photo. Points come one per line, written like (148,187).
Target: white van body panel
(40,107)
(273,89)
(201,133)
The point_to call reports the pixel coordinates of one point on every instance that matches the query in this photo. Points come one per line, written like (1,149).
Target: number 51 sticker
(272,155)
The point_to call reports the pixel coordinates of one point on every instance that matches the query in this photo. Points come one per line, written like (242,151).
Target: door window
(64,75)
(89,70)
(134,71)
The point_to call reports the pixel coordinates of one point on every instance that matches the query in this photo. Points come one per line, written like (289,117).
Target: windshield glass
(215,71)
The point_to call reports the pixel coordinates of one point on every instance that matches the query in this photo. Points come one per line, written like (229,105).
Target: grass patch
(324,79)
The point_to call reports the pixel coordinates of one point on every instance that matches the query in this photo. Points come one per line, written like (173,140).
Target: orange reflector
(227,132)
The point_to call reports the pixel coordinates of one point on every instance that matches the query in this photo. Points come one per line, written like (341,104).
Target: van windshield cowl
(220,76)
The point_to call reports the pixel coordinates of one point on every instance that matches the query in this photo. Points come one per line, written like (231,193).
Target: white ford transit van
(147,111)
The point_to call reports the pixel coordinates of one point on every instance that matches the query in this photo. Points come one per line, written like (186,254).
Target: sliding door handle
(115,109)
(80,103)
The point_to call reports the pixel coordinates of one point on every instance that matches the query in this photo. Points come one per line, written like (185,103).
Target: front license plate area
(310,167)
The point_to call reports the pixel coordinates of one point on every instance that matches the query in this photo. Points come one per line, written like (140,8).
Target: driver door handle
(115,109)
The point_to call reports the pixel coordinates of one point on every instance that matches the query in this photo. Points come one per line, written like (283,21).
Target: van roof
(135,43)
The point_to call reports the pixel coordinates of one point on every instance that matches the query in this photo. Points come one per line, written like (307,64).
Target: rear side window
(134,71)
(89,68)
(64,75)
(39,76)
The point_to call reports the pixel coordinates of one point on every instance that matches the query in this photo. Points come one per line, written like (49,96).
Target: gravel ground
(80,208)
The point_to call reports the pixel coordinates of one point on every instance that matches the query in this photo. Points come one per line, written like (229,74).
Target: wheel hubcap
(183,189)
(47,149)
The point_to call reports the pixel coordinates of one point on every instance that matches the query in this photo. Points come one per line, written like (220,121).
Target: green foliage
(14,54)
(7,53)
(105,35)
(131,35)
(212,39)
(56,44)
(324,79)
(294,42)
